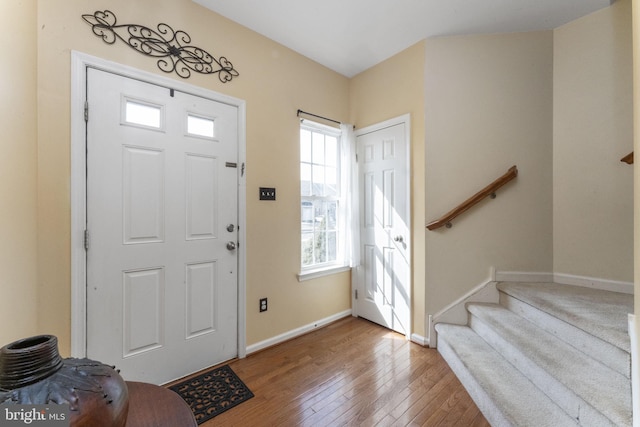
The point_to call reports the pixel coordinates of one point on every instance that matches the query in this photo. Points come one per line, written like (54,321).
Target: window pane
(331,143)
(305,179)
(320,215)
(332,215)
(199,126)
(305,146)
(320,247)
(143,114)
(331,182)
(332,246)
(318,148)
(307,217)
(307,249)
(318,181)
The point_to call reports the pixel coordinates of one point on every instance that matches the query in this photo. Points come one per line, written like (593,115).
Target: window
(322,224)
(142,114)
(200,126)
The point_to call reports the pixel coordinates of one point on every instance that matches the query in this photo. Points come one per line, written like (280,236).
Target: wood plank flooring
(350,373)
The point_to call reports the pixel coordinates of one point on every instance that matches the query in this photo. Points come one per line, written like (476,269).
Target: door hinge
(86,111)
(356,292)
(86,240)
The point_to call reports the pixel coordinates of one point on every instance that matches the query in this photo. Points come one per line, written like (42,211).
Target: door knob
(231,246)
(398,239)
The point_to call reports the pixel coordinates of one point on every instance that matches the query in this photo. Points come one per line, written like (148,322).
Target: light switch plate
(267,193)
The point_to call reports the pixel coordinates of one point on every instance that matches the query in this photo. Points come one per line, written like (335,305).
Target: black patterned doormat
(213,392)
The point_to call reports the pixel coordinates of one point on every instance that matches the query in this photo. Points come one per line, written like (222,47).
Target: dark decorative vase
(32,372)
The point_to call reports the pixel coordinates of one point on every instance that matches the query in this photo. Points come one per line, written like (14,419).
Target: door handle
(399,239)
(231,246)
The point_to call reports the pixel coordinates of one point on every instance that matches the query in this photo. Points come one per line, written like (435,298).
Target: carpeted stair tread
(586,389)
(503,394)
(598,312)
(603,351)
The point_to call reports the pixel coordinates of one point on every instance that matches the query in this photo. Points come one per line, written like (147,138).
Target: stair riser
(564,397)
(607,354)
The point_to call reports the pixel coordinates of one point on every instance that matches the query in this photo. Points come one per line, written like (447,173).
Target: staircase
(546,355)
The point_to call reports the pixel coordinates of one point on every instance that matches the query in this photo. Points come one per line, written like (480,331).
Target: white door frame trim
(406,120)
(78,185)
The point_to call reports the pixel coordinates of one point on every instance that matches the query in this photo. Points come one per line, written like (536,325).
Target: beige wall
(488,107)
(636,143)
(274,82)
(488,102)
(593,190)
(18,280)
(390,89)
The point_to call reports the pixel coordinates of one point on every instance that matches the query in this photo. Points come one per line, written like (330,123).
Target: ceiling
(349,36)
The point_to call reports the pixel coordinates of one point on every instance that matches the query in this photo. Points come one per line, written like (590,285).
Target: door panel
(201,190)
(144,314)
(161,284)
(201,298)
(383,285)
(143,195)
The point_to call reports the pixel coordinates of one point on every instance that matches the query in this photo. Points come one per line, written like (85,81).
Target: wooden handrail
(489,190)
(628,158)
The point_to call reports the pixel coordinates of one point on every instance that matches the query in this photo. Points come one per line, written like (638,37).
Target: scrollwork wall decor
(172,47)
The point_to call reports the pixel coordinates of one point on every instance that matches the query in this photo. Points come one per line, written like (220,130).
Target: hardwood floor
(350,373)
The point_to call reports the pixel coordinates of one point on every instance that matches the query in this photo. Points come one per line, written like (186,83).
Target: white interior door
(383,279)
(162,215)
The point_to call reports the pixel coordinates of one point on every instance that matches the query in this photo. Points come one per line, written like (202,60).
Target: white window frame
(339,264)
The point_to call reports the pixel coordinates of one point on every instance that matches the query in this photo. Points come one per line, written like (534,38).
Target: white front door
(162,216)
(383,279)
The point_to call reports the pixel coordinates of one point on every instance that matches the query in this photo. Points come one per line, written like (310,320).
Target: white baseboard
(456,312)
(419,339)
(296,332)
(523,276)
(635,369)
(594,282)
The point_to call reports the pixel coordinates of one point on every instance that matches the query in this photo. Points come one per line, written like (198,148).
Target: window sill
(314,274)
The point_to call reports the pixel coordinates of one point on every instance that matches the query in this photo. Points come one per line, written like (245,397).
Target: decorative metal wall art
(172,47)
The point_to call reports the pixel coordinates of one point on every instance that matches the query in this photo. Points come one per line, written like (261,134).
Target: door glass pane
(200,126)
(143,114)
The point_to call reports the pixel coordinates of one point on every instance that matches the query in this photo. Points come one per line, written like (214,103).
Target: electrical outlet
(267,193)
(263,304)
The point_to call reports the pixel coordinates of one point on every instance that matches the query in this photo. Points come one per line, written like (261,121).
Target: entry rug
(213,392)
